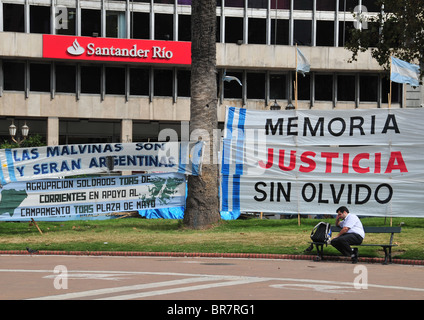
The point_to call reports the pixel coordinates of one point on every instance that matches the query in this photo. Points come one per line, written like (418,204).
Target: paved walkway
(83,277)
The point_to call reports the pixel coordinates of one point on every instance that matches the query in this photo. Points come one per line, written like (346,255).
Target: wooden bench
(387,247)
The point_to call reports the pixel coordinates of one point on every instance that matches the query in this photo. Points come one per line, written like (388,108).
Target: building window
(326,5)
(163,80)
(323,87)
(139,81)
(282,35)
(368,88)
(258,4)
(371,5)
(140,25)
(233,29)
(348,5)
(218,28)
(90,79)
(396,91)
(13,17)
(233,89)
(256,86)
(303,4)
(280,4)
(164,26)
(325,33)
(90,22)
(345,29)
(184,28)
(302,32)
(115,80)
(304,87)
(14,75)
(115,24)
(277,86)
(89,131)
(39,18)
(234,3)
(39,75)
(183,82)
(257,31)
(65,78)
(67,21)
(346,88)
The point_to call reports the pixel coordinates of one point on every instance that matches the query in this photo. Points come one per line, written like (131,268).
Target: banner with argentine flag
(311,161)
(31,163)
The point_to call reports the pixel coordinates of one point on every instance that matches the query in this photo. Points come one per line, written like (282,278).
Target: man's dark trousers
(343,243)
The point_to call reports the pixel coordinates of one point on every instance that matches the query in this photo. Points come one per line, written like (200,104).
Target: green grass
(238,236)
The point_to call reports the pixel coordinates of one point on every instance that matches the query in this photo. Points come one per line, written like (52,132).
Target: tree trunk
(202,207)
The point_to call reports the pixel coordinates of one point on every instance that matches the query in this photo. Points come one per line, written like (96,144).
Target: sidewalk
(211,255)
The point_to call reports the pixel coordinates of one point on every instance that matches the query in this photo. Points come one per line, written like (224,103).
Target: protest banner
(90,198)
(23,164)
(312,161)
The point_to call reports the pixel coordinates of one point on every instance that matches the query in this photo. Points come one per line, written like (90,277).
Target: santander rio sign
(118,50)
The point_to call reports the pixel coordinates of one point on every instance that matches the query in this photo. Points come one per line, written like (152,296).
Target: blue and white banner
(310,161)
(405,72)
(23,164)
(93,198)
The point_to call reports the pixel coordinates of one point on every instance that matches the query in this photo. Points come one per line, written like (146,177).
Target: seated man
(352,233)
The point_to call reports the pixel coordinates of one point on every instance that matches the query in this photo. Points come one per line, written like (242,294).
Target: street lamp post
(275,106)
(24,133)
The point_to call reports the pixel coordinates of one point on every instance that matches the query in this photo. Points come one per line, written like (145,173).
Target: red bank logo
(112,49)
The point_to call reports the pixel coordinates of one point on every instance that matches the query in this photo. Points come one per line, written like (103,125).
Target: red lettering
(270,160)
(377,163)
(355,163)
(396,157)
(292,160)
(304,158)
(345,163)
(308,163)
(329,161)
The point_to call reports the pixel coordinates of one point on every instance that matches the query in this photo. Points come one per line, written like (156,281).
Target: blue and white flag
(404,72)
(303,65)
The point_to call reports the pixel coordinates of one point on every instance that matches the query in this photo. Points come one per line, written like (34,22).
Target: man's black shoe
(355,255)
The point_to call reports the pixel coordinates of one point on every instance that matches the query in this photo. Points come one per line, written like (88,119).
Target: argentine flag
(303,65)
(404,72)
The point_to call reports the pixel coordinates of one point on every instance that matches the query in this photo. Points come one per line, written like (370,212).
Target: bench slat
(374,229)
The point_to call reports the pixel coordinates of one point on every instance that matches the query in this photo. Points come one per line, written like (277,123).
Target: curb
(210,255)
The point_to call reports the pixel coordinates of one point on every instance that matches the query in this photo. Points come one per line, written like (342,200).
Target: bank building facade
(103,71)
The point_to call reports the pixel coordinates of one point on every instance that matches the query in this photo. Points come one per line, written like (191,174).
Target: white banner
(311,161)
(326,127)
(265,194)
(90,198)
(67,160)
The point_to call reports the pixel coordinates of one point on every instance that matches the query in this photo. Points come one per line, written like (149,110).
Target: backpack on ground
(321,232)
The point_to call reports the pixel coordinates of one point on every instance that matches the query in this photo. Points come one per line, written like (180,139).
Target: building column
(126,130)
(52,131)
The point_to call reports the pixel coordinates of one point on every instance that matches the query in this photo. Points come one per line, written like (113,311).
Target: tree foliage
(32,141)
(398,30)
